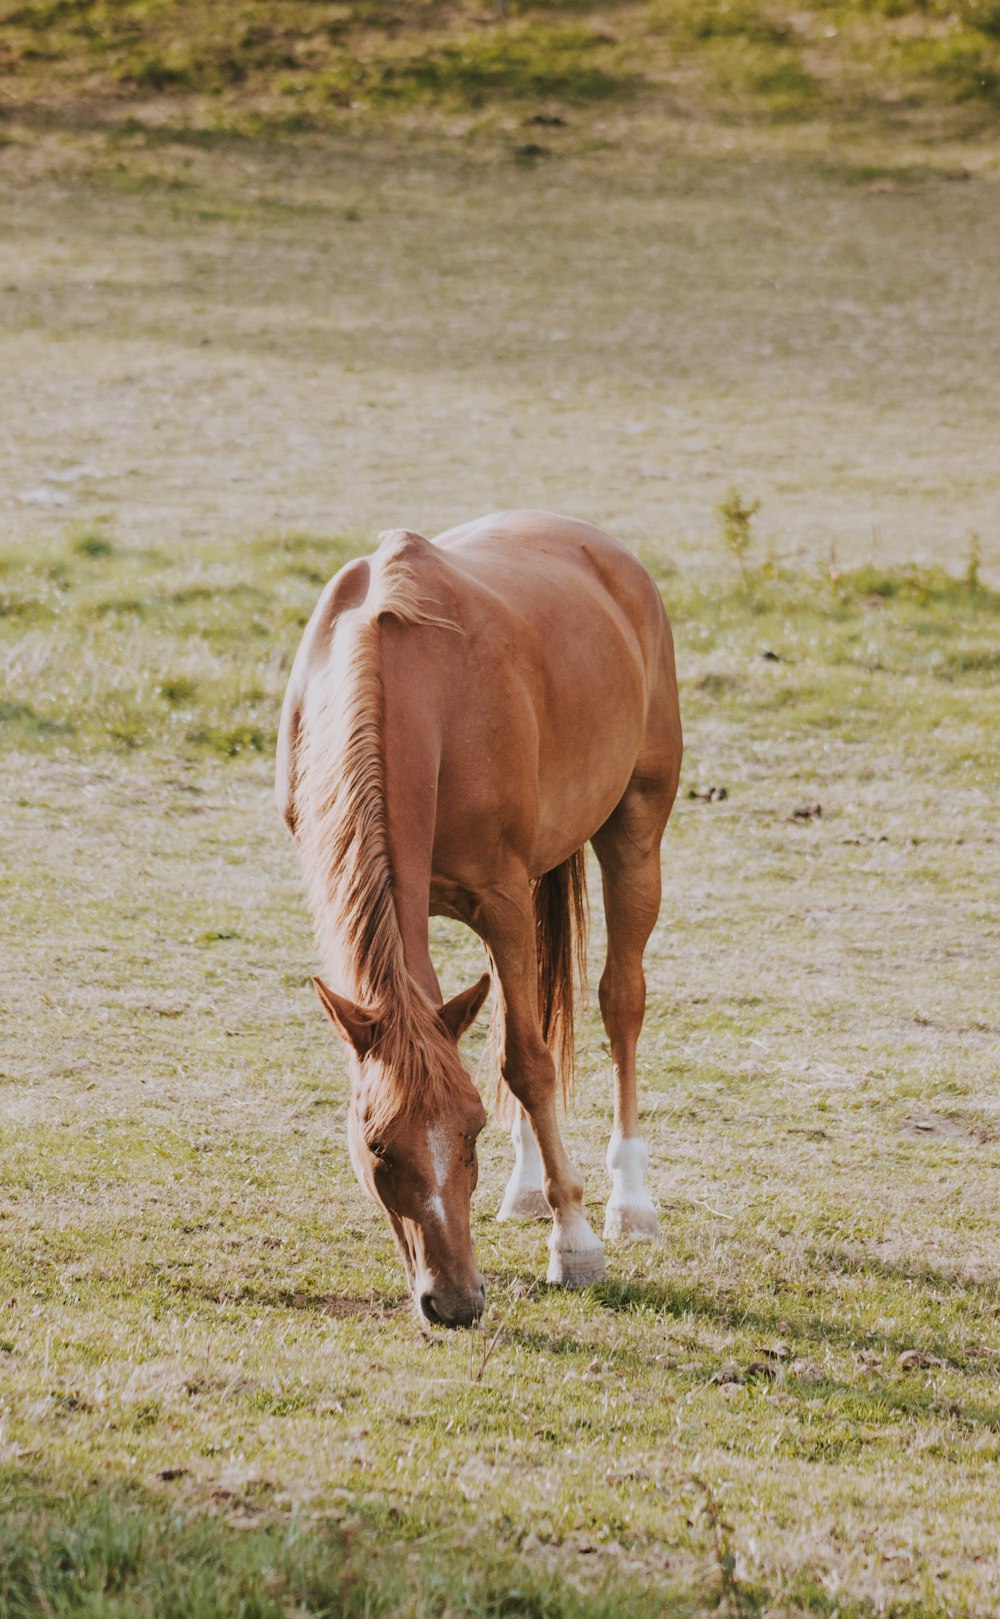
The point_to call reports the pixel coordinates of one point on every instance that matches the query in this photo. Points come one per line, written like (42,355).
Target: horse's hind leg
(628,849)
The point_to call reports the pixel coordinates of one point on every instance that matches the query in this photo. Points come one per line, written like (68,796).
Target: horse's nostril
(427,1307)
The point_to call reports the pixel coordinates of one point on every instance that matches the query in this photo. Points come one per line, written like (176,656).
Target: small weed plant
(736,517)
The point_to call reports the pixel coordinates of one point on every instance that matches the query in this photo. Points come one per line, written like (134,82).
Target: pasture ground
(225,366)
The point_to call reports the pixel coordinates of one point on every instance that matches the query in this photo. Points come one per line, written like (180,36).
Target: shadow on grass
(338,1306)
(666,1300)
(845,1263)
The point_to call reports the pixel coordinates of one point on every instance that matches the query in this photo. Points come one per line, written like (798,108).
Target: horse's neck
(411,765)
(412,906)
(369,836)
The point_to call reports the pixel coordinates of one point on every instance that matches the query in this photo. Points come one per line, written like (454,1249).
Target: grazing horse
(462,716)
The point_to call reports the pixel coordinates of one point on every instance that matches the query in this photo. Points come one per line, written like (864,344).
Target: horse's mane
(341,827)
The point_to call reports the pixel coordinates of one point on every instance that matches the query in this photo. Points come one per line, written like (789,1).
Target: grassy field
(227,361)
(261,66)
(211,1381)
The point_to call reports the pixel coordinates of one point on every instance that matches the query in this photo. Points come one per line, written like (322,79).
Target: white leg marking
(631,1211)
(524,1198)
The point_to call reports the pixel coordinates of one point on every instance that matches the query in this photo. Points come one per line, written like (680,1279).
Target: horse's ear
(351,1022)
(463,1008)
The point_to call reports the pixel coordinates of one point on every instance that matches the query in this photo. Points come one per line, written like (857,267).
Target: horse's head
(418,1160)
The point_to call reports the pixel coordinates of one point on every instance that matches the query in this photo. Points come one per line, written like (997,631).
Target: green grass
(128,1556)
(254,65)
(168,656)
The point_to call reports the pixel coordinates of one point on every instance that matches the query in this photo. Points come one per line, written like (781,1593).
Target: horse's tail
(559,901)
(561,916)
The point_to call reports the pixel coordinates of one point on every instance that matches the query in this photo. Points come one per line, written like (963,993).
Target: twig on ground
(700,1201)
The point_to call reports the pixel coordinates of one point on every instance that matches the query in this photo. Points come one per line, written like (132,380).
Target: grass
(131,1555)
(255,66)
(281,306)
(203,1317)
(227,364)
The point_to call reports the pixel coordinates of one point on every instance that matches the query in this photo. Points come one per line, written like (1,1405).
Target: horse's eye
(378,1149)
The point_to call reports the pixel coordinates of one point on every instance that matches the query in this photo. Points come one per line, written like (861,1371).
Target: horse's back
(548,568)
(526,658)
(570,656)
(574,603)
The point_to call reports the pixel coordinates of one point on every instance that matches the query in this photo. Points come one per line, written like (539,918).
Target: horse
(462,717)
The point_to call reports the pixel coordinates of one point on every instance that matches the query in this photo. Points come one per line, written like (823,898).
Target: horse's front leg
(576,1255)
(524,1195)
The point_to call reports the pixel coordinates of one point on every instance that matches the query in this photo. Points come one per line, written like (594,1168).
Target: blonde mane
(341,826)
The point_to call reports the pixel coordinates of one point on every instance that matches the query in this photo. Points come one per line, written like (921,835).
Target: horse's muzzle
(461,1310)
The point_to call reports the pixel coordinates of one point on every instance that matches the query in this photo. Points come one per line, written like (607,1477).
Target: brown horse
(463,715)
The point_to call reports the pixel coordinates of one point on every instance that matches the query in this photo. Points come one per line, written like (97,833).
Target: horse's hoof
(577,1270)
(524,1206)
(635,1224)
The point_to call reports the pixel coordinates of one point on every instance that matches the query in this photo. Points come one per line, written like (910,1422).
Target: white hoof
(577,1270)
(636,1221)
(527,1205)
(576,1257)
